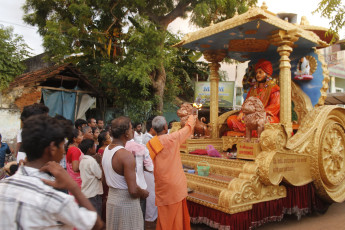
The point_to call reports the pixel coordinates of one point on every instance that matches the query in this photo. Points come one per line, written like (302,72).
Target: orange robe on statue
(270,98)
(170,180)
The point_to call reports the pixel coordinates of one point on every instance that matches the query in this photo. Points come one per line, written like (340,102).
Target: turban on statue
(265,65)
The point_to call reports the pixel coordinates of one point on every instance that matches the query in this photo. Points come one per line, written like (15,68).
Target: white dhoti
(151,213)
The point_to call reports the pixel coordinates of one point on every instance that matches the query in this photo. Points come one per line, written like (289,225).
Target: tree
(13,50)
(162,13)
(334,10)
(125,45)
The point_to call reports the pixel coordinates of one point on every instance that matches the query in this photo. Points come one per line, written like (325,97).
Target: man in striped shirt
(30,199)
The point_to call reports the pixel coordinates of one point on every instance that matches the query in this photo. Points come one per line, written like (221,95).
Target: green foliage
(124,46)
(13,50)
(216,11)
(334,10)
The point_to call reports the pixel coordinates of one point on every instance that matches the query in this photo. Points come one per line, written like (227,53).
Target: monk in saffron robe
(170,180)
(266,90)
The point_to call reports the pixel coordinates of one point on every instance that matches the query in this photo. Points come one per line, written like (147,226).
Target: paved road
(333,219)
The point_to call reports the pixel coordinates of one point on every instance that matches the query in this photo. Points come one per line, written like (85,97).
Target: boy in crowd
(91,175)
(80,123)
(29,199)
(100,125)
(92,122)
(28,111)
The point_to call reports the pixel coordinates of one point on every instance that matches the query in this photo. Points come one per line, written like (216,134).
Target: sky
(11,15)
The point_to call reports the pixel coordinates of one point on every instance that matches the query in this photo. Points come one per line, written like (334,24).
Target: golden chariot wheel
(328,162)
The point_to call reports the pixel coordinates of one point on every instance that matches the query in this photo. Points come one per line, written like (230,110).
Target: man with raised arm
(170,180)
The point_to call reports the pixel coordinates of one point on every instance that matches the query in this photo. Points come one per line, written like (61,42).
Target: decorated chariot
(298,165)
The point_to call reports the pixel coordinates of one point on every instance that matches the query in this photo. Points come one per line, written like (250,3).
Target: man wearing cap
(266,90)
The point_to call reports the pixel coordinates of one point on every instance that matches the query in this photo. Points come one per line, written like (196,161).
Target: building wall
(11,104)
(340,85)
(9,125)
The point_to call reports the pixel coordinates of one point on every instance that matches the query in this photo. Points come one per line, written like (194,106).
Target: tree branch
(164,21)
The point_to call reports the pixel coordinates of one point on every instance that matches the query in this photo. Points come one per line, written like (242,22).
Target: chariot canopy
(252,35)
(258,34)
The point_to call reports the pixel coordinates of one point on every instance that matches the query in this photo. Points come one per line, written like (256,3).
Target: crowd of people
(87,176)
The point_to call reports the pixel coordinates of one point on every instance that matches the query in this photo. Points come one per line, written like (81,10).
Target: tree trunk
(158,77)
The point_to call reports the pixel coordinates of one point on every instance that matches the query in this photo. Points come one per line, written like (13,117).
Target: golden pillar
(285,41)
(214,56)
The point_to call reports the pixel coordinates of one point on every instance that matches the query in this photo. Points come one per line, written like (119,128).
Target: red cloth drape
(299,201)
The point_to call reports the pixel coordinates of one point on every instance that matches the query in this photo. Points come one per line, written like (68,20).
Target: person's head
(68,123)
(87,132)
(108,128)
(121,128)
(80,123)
(88,147)
(263,69)
(104,138)
(60,117)
(170,124)
(75,138)
(34,109)
(100,124)
(91,122)
(43,138)
(159,124)
(137,127)
(149,128)
(0,137)
(95,133)
(13,169)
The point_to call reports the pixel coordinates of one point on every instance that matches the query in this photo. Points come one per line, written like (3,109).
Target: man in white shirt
(150,132)
(151,213)
(138,136)
(29,199)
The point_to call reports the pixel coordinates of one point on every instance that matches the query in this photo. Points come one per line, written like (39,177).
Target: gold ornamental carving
(229,142)
(273,137)
(309,124)
(276,166)
(325,80)
(214,56)
(328,164)
(193,144)
(242,45)
(332,154)
(247,190)
(301,101)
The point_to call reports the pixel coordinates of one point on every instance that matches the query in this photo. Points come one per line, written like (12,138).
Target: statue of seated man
(266,90)
(303,70)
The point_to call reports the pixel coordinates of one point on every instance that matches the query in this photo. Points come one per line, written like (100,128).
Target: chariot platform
(299,164)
